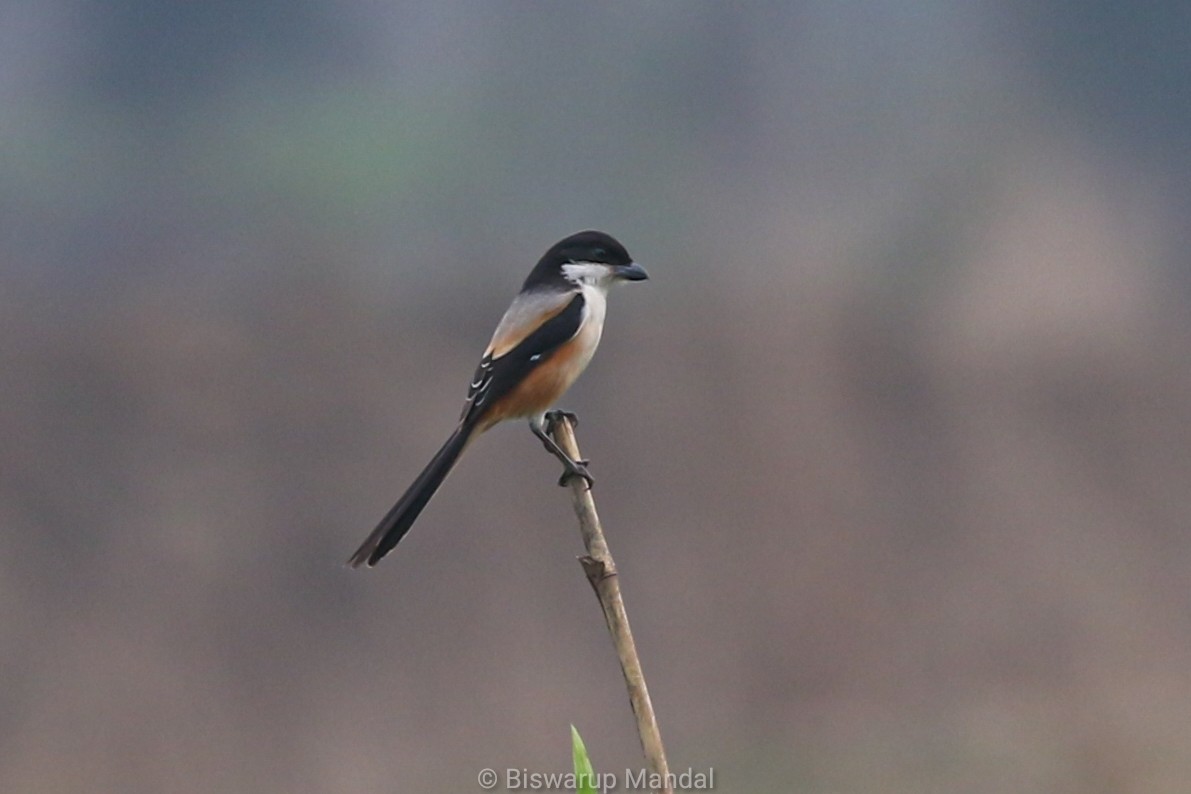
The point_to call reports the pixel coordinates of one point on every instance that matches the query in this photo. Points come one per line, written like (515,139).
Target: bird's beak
(631,272)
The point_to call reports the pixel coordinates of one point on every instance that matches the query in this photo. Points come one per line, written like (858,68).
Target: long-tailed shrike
(542,344)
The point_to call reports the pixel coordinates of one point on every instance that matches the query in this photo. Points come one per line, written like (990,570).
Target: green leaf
(585,779)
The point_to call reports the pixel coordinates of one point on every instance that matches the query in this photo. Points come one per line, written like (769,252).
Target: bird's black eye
(599,254)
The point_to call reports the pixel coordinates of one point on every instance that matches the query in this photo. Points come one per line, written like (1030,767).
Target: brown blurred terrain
(892,450)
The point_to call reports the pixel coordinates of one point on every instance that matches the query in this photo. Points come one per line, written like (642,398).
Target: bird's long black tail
(396,523)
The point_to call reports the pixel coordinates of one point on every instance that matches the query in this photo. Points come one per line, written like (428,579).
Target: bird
(543,343)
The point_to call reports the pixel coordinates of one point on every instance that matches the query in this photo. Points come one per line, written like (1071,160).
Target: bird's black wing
(496,377)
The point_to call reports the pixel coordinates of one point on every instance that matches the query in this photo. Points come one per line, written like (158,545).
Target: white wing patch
(477,391)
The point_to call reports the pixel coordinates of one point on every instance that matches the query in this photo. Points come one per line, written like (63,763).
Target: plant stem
(600,569)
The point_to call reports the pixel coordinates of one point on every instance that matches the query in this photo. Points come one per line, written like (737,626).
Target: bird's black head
(567,260)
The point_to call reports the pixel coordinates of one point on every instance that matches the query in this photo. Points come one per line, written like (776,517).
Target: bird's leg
(574,468)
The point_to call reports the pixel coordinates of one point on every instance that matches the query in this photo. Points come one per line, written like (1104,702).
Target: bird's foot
(556,415)
(576,468)
(573,468)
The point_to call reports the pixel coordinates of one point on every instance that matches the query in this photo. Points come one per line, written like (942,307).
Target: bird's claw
(556,415)
(575,469)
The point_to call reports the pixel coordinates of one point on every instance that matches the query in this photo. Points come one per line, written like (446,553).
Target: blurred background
(892,450)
